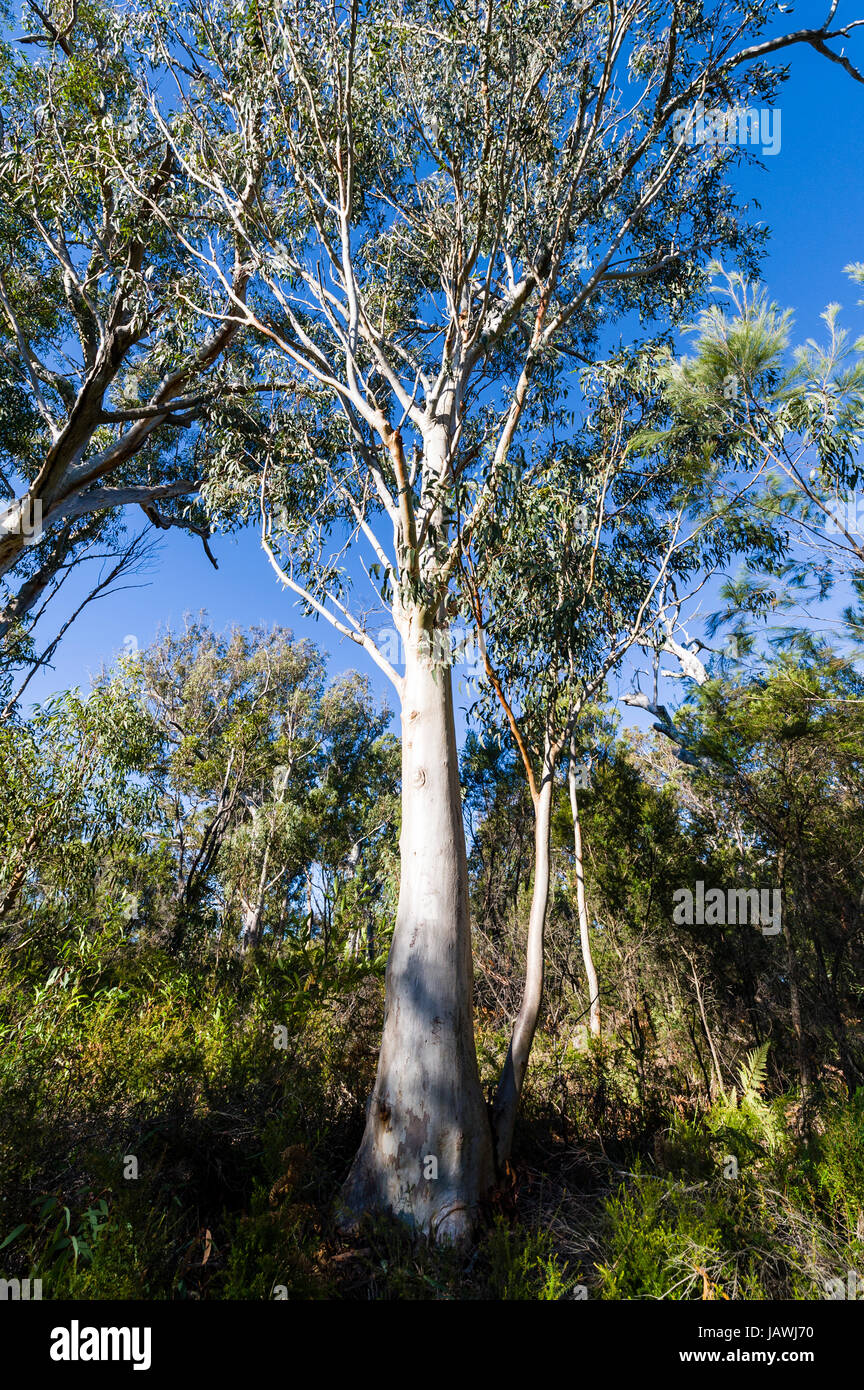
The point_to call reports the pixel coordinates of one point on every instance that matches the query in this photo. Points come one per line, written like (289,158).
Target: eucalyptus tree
(317,842)
(222,711)
(70,778)
(106,363)
(450,200)
(252,751)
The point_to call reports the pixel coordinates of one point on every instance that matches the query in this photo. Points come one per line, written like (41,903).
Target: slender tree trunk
(795,1011)
(252,911)
(509,1089)
(794,993)
(715,1059)
(16,882)
(584,938)
(837,1023)
(426,1154)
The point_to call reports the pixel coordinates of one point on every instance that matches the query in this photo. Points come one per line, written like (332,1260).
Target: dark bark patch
(415,1144)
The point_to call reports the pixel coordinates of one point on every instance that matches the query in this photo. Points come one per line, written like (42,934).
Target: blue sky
(811,196)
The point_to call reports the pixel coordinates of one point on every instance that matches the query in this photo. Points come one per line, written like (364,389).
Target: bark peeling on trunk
(426,1154)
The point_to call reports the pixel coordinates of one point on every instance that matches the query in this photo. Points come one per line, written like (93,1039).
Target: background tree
(773,755)
(262,773)
(69,790)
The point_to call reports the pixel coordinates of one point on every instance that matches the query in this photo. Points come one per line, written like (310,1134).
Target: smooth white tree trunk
(581,906)
(251,935)
(426,1154)
(509,1089)
(253,908)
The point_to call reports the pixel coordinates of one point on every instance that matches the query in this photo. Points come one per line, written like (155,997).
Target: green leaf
(13,1235)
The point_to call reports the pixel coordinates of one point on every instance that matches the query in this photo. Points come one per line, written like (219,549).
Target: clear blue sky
(811,196)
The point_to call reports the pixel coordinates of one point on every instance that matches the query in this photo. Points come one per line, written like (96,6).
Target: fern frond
(753,1073)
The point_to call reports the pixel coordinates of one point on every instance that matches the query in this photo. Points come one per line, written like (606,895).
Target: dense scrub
(240,1147)
(178,1107)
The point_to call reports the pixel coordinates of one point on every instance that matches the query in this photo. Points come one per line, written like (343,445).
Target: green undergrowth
(172,1131)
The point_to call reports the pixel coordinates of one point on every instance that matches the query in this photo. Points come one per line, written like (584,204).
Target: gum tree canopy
(107,363)
(451,198)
